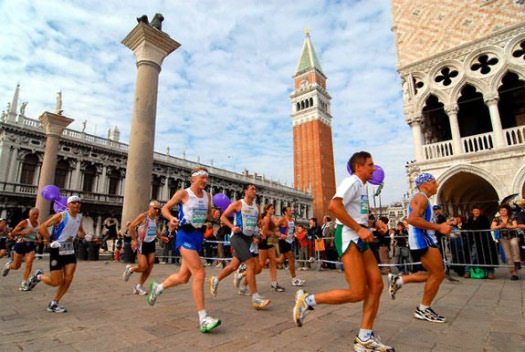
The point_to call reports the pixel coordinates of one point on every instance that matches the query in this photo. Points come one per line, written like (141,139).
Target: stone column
(497,130)
(53,125)
(452,112)
(150,47)
(165,189)
(102,181)
(75,182)
(415,124)
(13,166)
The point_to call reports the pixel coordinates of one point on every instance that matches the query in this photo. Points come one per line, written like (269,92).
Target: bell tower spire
(312,131)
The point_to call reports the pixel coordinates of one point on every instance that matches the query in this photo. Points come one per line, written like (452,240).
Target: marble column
(54,125)
(452,112)
(75,182)
(13,166)
(415,124)
(497,130)
(150,47)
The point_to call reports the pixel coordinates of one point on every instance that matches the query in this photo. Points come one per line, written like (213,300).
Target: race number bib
(199,217)
(364,204)
(66,248)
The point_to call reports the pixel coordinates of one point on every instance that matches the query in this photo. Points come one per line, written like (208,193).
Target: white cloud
(224,94)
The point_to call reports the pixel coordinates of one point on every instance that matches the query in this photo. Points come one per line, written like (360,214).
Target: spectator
(301,236)
(109,232)
(223,235)
(520,224)
(481,245)
(382,235)
(129,253)
(314,233)
(207,247)
(167,251)
(508,239)
(458,249)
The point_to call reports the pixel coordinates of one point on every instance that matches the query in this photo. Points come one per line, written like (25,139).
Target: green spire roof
(308,60)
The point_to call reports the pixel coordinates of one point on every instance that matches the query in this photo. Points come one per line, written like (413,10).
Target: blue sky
(224,94)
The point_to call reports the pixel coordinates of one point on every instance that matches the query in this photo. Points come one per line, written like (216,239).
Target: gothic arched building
(462,66)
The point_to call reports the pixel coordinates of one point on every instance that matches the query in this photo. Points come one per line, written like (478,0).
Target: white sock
(399,281)
(310,300)
(423,307)
(159,288)
(274,283)
(365,334)
(202,314)
(255,296)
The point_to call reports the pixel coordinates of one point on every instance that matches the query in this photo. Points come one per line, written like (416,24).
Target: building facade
(95,168)
(312,132)
(462,66)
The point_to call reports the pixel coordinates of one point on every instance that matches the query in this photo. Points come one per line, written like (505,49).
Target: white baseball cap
(73,199)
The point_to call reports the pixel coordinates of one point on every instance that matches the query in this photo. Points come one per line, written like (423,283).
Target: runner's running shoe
(300,308)
(393,287)
(208,324)
(214,285)
(429,315)
(372,344)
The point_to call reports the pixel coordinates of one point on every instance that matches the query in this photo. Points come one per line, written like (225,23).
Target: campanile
(312,131)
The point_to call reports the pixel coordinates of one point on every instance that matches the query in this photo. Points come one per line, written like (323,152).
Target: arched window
(298,106)
(435,120)
(90,173)
(114,181)
(311,101)
(61,172)
(511,102)
(29,168)
(473,114)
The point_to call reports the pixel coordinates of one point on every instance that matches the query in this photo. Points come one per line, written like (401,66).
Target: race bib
(66,248)
(364,204)
(251,222)
(199,217)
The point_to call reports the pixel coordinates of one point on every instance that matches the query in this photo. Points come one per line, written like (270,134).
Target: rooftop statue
(156,22)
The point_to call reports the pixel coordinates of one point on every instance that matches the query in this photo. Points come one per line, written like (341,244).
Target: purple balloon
(60,204)
(222,201)
(50,192)
(378,176)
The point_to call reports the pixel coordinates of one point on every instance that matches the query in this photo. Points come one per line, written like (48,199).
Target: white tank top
(67,229)
(195,210)
(147,230)
(34,232)
(246,219)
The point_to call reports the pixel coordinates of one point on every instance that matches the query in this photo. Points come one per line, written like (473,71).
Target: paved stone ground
(104,315)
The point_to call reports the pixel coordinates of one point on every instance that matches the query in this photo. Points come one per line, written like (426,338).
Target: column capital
(54,124)
(414,120)
(491,99)
(149,44)
(452,109)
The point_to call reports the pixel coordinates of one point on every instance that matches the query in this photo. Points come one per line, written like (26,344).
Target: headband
(423,178)
(199,173)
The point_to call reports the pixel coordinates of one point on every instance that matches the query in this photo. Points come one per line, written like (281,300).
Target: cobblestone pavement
(104,315)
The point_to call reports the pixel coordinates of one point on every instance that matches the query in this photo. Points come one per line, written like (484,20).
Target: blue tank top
(421,238)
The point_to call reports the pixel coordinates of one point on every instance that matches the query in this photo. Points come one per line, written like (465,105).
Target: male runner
(423,247)
(144,231)
(245,234)
(352,238)
(25,247)
(287,228)
(62,260)
(194,210)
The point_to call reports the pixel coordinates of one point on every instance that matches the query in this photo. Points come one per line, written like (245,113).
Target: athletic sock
(310,300)
(160,288)
(365,334)
(399,281)
(202,314)
(423,307)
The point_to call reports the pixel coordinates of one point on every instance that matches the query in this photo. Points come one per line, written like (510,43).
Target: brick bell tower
(312,132)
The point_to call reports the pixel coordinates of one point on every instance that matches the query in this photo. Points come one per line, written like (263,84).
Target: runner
(424,248)
(287,228)
(194,210)
(25,247)
(269,233)
(4,234)
(144,230)
(62,260)
(352,238)
(244,240)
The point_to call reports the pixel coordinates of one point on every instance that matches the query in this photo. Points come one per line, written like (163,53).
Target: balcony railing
(515,135)
(438,150)
(477,143)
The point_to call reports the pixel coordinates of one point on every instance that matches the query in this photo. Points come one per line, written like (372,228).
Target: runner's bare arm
(54,220)
(419,204)
(337,208)
(177,198)
(133,225)
(18,230)
(232,208)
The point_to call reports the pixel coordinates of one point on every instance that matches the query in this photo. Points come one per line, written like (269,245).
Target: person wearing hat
(423,247)
(26,233)
(66,226)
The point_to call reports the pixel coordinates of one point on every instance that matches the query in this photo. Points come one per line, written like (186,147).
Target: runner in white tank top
(195,208)
(27,233)
(143,231)
(62,260)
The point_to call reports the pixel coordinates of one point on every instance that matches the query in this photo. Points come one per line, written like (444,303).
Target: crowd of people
(246,238)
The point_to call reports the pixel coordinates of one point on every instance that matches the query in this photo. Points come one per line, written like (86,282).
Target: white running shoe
(237,278)
(154,293)
(393,287)
(139,290)
(372,344)
(214,285)
(127,273)
(243,290)
(300,308)
(260,302)
(297,282)
(208,324)
(6,268)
